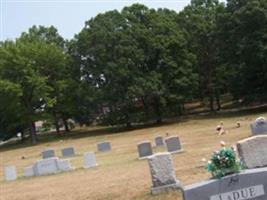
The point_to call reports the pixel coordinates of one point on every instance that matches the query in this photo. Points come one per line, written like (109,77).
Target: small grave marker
(144,149)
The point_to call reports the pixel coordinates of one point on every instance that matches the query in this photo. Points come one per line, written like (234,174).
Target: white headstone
(64,165)
(10,173)
(29,171)
(47,166)
(89,160)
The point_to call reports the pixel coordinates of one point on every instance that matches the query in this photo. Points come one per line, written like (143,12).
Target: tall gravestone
(104,146)
(89,160)
(173,144)
(259,127)
(10,173)
(159,141)
(253,151)
(162,173)
(144,149)
(248,185)
(68,152)
(48,153)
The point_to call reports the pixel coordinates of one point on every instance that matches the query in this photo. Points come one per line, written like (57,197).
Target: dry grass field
(120,175)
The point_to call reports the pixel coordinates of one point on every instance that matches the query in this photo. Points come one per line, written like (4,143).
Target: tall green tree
(138,55)
(243,29)
(35,66)
(199,21)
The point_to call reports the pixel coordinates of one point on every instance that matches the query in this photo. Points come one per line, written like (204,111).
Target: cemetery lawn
(120,175)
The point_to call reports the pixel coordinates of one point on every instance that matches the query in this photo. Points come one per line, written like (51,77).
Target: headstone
(250,184)
(68,152)
(173,144)
(159,141)
(64,165)
(103,146)
(259,127)
(144,149)
(253,151)
(89,160)
(49,153)
(162,173)
(29,171)
(47,166)
(10,173)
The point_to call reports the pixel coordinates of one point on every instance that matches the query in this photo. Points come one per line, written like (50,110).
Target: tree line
(134,65)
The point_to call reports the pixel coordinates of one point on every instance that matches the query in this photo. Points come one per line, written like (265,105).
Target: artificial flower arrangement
(223,163)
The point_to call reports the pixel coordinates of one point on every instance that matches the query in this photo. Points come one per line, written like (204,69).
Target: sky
(68,16)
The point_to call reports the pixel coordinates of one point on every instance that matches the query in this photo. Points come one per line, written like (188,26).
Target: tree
(243,29)
(199,21)
(138,55)
(33,65)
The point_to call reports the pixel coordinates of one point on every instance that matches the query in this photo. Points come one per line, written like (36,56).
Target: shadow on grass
(98,131)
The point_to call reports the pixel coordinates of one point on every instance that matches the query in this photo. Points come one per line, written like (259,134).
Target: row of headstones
(48,166)
(70,151)
(173,145)
(249,184)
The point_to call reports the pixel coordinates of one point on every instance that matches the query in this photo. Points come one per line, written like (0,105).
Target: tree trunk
(211,102)
(33,132)
(56,122)
(22,136)
(66,125)
(157,110)
(218,101)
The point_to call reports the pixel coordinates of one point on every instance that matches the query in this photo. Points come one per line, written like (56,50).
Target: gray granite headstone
(89,160)
(68,152)
(103,146)
(249,185)
(159,141)
(144,149)
(47,166)
(29,171)
(49,153)
(162,173)
(10,173)
(253,151)
(173,144)
(259,127)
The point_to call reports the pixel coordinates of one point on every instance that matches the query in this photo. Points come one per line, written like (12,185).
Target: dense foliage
(134,66)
